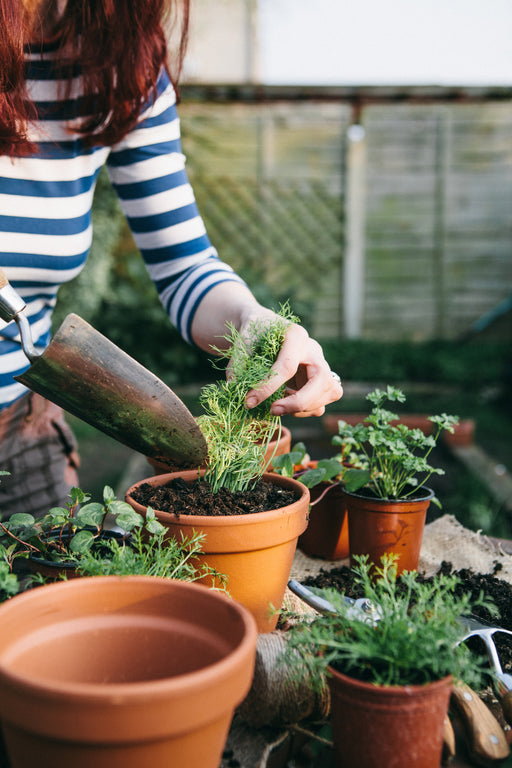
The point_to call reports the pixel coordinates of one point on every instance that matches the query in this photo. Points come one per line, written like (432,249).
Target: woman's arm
(311,384)
(198,290)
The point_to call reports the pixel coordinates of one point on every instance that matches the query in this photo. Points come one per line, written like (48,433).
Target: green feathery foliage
(237,437)
(416,639)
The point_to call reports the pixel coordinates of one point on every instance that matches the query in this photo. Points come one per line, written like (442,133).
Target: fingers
(311,385)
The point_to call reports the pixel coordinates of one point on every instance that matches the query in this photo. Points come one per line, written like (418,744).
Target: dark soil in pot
(196,498)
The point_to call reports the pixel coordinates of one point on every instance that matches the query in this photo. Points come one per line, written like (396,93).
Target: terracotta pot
(463,434)
(327,533)
(384,526)
(254,551)
(275,448)
(122,672)
(392,726)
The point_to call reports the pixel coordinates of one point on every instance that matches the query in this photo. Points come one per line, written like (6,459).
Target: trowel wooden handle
(449,745)
(485,737)
(3,280)
(506,705)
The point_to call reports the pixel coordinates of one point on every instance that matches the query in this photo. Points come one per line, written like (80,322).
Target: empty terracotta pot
(392,726)
(122,672)
(255,551)
(384,526)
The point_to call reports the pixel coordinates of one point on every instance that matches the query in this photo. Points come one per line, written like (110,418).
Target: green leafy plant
(237,437)
(68,530)
(396,455)
(416,639)
(148,552)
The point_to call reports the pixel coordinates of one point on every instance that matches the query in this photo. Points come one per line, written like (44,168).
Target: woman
(87,83)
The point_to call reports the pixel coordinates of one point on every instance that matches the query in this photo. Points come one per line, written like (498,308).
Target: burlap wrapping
(273,699)
(272,705)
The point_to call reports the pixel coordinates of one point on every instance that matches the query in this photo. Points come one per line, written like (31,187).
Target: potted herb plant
(52,543)
(388,500)
(122,672)
(250,519)
(72,541)
(390,670)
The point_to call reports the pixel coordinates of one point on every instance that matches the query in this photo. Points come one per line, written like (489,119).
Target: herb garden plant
(147,552)
(67,531)
(251,520)
(75,535)
(390,673)
(397,457)
(415,639)
(387,499)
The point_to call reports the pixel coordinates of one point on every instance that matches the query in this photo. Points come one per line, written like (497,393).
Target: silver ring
(336,377)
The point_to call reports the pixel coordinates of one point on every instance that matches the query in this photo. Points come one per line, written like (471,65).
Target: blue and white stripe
(45,211)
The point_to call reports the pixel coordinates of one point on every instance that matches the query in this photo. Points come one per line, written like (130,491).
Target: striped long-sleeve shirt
(45,211)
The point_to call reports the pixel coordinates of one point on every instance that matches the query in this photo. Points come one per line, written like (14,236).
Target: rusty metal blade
(89,376)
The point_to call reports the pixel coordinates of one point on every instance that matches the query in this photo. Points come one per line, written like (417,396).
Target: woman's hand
(310,384)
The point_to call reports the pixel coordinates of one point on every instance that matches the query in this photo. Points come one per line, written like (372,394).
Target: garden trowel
(90,377)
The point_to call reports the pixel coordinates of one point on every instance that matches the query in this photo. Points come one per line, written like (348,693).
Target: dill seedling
(417,639)
(237,437)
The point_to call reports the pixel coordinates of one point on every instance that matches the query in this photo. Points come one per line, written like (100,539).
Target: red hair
(120,46)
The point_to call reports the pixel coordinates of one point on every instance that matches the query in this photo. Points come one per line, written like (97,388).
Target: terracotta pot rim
(130,693)
(428,496)
(219,520)
(390,690)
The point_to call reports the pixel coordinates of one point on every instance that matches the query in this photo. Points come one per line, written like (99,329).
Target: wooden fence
(384,218)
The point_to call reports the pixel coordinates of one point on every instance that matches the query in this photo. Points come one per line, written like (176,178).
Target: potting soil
(196,498)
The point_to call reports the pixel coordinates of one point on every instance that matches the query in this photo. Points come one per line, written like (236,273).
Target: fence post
(354,261)
(442,149)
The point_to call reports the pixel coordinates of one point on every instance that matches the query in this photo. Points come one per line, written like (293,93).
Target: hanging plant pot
(327,533)
(384,526)
(280,443)
(124,672)
(255,551)
(395,726)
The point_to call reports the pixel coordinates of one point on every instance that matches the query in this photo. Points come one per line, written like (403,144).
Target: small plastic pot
(387,526)
(399,726)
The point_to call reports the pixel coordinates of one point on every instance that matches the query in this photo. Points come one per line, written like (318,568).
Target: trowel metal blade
(90,377)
